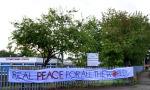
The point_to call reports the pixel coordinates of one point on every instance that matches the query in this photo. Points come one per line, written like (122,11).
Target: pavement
(143,84)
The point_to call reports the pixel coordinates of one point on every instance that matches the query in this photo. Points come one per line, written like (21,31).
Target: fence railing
(5,85)
(137,69)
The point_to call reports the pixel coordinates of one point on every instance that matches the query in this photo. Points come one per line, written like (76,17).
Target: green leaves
(119,37)
(125,37)
(4,53)
(47,35)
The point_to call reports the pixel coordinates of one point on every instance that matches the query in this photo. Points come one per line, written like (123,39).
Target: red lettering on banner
(38,75)
(53,75)
(43,75)
(60,74)
(114,73)
(49,74)
(17,58)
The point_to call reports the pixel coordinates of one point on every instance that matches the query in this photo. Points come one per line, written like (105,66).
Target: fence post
(132,78)
(1,77)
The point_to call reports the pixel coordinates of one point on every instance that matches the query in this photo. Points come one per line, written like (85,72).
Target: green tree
(4,53)
(48,35)
(86,40)
(24,51)
(125,37)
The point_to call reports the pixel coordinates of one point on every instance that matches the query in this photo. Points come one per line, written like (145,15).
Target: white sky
(11,10)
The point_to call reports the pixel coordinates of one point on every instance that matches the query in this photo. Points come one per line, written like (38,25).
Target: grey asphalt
(143,84)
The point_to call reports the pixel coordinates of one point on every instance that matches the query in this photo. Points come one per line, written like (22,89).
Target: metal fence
(137,69)
(5,85)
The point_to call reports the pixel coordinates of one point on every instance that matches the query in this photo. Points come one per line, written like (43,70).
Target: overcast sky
(11,10)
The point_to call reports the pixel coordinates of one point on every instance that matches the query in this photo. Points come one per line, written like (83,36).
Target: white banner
(67,74)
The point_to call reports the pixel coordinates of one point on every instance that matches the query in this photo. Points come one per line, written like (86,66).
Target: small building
(68,63)
(7,62)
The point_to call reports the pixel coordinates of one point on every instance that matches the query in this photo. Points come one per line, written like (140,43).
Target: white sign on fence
(92,59)
(67,74)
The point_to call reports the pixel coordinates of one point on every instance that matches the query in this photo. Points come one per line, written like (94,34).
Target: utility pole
(144,64)
(62,41)
(62,17)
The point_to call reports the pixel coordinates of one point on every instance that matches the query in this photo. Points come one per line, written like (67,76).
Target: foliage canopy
(125,37)
(120,38)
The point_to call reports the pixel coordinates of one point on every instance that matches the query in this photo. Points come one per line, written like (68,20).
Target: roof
(25,60)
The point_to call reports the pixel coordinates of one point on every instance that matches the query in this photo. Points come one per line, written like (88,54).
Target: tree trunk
(47,60)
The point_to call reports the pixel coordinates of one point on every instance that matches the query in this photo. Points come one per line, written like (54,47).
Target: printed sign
(92,59)
(67,74)
(17,58)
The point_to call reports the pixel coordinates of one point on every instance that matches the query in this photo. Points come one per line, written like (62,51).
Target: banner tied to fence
(67,74)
